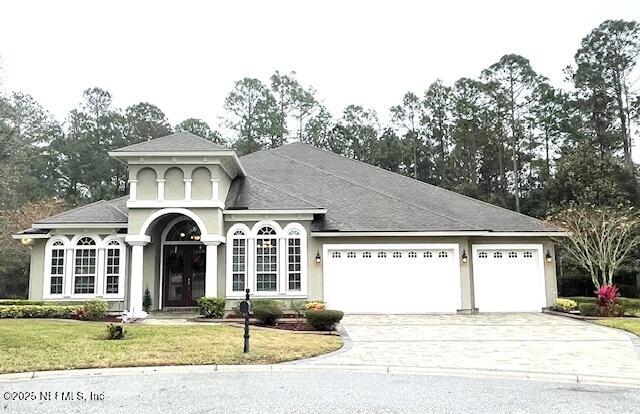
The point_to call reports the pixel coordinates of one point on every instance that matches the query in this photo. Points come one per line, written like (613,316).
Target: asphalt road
(310,392)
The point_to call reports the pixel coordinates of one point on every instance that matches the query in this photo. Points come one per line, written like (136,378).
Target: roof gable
(103,212)
(178,142)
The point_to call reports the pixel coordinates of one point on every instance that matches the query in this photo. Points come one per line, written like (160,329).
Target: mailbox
(245,306)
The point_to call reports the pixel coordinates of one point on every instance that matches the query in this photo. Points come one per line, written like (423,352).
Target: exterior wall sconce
(26,241)
(464,256)
(318,257)
(548,257)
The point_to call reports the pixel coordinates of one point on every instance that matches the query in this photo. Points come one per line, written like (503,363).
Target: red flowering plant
(607,299)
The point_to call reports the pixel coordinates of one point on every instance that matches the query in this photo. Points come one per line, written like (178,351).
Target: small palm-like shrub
(607,298)
(115,331)
(324,319)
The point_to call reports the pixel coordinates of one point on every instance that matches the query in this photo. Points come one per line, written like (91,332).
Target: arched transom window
(185,230)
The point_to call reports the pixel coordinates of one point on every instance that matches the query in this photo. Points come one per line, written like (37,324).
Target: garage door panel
(392,280)
(509,279)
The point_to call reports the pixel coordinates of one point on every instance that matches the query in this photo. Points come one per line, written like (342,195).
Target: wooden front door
(184,271)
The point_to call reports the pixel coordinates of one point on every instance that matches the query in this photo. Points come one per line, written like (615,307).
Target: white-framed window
(114,268)
(382,255)
(294,260)
(513,255)
(397,255)
(266,260)
(527,255)
(443,255)
(269,260)
(85,265)
(239,261)
(497,255)
(335,255)
(428,255)
(483,255)
(366,255)
(412,255)
(57,268)
(351,255)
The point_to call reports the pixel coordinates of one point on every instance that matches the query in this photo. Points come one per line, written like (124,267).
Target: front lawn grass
(40,345)
(627,324)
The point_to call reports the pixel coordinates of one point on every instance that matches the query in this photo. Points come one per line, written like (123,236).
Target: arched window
(84,274)
(266,260)
(294,260)
(239,261)
(113,267)
(184,230)
(57,268)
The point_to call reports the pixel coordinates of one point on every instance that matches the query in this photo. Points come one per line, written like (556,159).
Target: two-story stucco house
(295,222)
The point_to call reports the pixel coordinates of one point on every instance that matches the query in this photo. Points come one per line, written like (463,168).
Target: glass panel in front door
(175,264)
(198,266)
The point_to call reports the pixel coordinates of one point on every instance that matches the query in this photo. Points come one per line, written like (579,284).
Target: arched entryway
(183,263)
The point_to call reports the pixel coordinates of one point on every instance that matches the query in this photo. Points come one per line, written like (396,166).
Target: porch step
(174,313)
(180,309)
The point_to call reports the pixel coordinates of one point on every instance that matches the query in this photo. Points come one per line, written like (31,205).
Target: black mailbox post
(245,308)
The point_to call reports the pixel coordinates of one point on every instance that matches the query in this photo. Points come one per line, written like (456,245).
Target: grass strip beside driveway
(626,324)
(41,345)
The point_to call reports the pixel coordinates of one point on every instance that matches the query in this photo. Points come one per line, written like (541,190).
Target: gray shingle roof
(250,191)
(112,211)
(361,197)
(181,141)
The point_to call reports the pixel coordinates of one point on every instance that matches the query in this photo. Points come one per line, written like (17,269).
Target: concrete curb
(390,370)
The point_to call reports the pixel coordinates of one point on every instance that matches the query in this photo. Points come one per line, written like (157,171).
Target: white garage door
(392,278)
(508,278)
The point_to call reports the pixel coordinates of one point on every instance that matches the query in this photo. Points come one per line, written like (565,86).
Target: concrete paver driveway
(536,344)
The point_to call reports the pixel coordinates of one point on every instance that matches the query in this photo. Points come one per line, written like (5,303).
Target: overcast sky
(185,55)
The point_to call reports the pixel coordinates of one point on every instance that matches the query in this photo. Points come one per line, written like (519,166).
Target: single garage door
(392,278)
(508,278)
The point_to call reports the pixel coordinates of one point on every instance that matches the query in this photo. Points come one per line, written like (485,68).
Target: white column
(282,265)
(68,273)
(160,182)
(100,271)
(133,190)
(214,188)
(136,279)
(211,270)
(187,189)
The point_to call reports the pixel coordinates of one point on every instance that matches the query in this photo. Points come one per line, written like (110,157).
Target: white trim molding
(80,226)
(175,204)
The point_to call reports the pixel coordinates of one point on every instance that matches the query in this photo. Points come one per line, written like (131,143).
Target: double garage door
(425,278)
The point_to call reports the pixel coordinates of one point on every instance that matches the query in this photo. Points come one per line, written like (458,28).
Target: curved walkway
(508,345)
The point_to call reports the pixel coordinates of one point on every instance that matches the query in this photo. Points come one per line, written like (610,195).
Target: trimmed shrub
(115,331)
(582,299)
(315,305)
(146,300)
(211,307)
(6,302)
(565,305)
(325,319)
(267,313)
(629,302)
(588,309)
(37,311)
(94,310)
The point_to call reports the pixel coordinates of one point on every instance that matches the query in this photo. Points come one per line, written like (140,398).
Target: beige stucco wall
(201,184)
(36,270)
(212,218)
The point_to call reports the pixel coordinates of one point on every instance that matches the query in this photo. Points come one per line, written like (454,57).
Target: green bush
(629,302)
(115,331)
(565,305)
(37,311)
(267,313)
(588,309)
(94,310)
(4,302)
(211,307)
(582,299)
(324,320)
